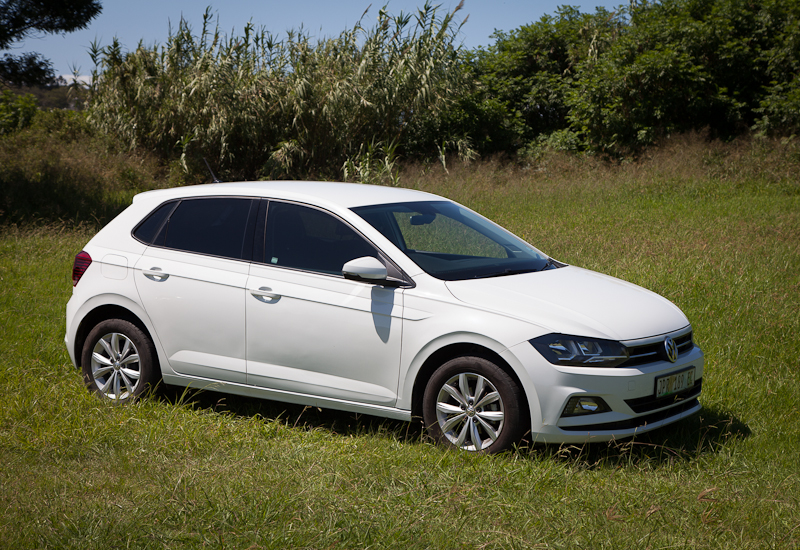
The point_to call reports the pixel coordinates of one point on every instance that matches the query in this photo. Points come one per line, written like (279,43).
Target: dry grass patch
(59,170)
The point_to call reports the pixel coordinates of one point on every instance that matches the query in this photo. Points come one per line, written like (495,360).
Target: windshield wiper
(506,272)
(517,271)
(552,264)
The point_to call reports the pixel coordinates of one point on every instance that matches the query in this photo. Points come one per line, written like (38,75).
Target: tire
(489,418)
(119,361)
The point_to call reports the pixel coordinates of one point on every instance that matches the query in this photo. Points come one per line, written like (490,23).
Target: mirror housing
(367,269)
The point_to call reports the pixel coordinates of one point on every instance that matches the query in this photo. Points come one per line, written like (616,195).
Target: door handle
(155,274)
(264,292)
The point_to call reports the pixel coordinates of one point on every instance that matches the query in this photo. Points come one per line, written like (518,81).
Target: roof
(346,195)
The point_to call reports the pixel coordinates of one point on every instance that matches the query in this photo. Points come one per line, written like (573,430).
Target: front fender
(457,340)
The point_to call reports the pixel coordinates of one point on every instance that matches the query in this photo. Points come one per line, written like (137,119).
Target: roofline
(343,195)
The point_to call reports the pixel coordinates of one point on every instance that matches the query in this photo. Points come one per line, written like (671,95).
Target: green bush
(623,80)
(529,72)
(780,110)
(16,111)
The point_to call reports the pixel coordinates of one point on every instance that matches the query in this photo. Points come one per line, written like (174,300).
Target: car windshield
(451,242)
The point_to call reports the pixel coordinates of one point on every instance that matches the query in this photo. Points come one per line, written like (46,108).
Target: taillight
(82,262)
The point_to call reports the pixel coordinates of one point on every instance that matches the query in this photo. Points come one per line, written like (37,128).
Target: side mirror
(367,269)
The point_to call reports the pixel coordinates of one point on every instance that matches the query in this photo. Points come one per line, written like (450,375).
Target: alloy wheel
(470,411)
(115,366)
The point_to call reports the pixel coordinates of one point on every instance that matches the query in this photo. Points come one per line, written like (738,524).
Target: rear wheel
(472,404)
(118,361)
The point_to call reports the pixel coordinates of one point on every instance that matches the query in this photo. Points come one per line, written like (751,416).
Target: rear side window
(215,226)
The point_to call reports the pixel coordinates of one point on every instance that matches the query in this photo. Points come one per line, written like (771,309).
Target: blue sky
(149,20)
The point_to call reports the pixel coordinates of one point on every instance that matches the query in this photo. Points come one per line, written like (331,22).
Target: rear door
(192,284)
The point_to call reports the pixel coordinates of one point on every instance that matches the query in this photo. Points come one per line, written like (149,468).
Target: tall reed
(257,106)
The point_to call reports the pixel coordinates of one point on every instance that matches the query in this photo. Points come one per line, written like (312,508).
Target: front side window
(451,242)
(306,238)
(214,226)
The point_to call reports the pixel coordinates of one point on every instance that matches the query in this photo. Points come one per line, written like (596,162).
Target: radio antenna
(213,177)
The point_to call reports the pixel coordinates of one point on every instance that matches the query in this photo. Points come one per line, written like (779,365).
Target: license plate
(673,383)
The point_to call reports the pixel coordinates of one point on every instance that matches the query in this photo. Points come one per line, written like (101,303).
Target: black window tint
(213,226)
(146,231)
(307,238)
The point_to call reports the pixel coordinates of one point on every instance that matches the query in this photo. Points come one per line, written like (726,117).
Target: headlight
(579,351)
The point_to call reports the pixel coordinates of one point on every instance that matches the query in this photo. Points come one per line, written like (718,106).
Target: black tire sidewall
(148,369)
(508,389)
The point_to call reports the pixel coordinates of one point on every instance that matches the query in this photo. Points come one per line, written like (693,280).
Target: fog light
(578,406)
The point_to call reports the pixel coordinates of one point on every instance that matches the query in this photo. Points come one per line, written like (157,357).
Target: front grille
(650,403)
(632,423)
(650,353)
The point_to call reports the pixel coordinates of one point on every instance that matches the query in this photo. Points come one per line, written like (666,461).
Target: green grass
(214,471)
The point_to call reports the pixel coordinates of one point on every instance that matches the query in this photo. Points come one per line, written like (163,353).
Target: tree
(20,19)
(530,70)
(619,81)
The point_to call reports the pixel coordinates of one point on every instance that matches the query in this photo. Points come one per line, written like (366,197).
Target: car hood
(571,300)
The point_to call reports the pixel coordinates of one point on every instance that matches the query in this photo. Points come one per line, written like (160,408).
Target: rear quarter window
(151,226)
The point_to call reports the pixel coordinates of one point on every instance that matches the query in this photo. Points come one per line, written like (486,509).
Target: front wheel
(472,404)
(118,361)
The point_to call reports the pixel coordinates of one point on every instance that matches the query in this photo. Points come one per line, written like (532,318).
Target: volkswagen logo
(671,348)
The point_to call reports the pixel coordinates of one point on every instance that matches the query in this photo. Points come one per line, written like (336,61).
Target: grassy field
(714,229)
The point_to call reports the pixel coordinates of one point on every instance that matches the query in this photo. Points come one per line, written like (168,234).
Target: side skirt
(198,383)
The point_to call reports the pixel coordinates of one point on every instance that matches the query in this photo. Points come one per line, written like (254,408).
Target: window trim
(257,230)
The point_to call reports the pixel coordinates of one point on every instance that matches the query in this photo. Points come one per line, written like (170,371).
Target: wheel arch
(461,349)
(102,313)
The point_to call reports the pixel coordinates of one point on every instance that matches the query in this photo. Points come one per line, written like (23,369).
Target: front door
(311,331)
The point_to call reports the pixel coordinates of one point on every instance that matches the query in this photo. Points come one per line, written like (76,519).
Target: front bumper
(628,391)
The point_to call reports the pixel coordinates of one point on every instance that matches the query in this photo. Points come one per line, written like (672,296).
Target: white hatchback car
(377,300)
